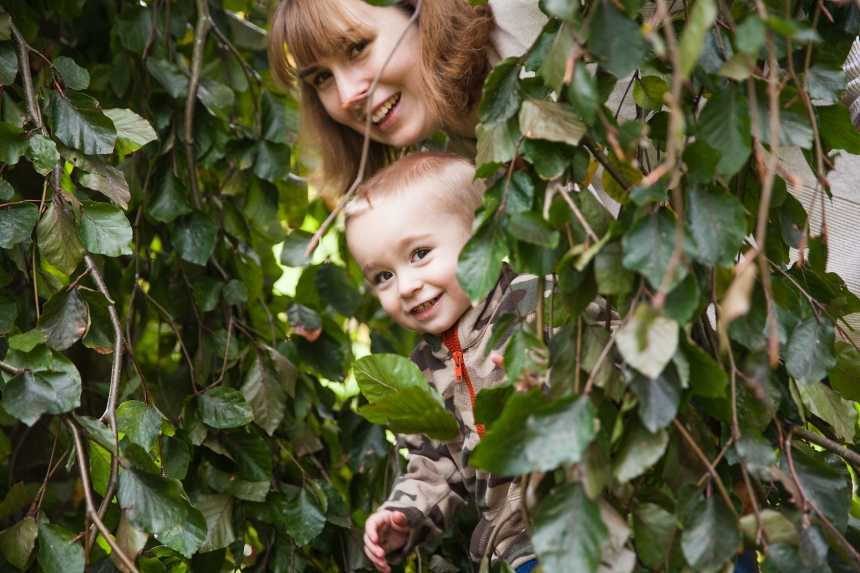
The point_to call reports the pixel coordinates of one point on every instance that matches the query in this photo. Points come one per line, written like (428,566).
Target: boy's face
(408,250)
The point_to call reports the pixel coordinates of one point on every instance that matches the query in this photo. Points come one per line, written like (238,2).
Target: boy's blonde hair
(454,48)
(449,177)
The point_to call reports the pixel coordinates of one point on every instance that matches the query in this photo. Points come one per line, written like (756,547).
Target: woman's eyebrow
(307,70)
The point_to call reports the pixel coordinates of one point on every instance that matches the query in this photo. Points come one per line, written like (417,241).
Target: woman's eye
(356,49)
(419,254)
(320,78)
(382,277)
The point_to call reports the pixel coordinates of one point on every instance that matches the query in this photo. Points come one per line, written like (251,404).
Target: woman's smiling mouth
(383,111)
(425,306)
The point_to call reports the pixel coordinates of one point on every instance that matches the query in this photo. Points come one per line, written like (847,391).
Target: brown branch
(249,73)
(169,317)
(92,514)
(366,147)
(851,457)
(12,369)
(699,454)
(603,160)
(565,194)
(33,109)
(204,23)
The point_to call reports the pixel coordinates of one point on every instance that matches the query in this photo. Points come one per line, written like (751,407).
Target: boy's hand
(384,531)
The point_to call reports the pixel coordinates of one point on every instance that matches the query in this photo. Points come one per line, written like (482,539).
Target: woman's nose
(353,88)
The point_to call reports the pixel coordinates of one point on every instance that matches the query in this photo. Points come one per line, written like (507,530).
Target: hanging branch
(204,24)
(851,457)
(608,166)
(92,514)
(11,369)
(24,49)
(366,147)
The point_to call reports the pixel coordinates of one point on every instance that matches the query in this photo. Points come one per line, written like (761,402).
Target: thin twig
(12,369)
(92,514)
(699,454)
(607,165)
(851,457)
(204,23)
(249,73)
(178,337)
(560,189)
(366,147)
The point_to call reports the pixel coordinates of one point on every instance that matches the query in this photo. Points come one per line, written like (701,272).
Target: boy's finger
(497,359)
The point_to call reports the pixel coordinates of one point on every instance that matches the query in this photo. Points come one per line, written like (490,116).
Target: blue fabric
(527,566)
(745,563)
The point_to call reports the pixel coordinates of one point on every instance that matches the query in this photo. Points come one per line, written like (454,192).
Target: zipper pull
(458,365)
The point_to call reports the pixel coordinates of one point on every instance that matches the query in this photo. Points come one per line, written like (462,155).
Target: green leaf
(639,450)
(583,94)
(16,223)
(206,291)
(612,277)
(836,129)
(304,321)
(57,551)
(724,124)
(718,223)
(531,228)
(280,120)
(17,542)
(828,405)
(132,131)
(140,423)
(502,97)
(8,59)
(264,394)
(8,314)
(792,29)
(481,260)
(751,35)
(169,76)
(43,153)
(653,529)
(709,380)
(29,395)
(224,407)
(133,27)
(57,236)
(273,161)
(217,510)
(6,190)
(217,97)
(100,176)
(827,486)
(97,431)
(496,145)
(554,65)
(13,143)
(189,536)
(615,40)
(80,124)
(194,237)
(826,80)
(648,246)
(845,376)
(531,435)
(810,353)
(65,319)
(168,200)
(16,498)
(304,517)
(337,289)
(711,535)
(104,229)
(74,76)
(151,503)
(649,91)
(235,292)
(551,121)
(648,341)
(568,531)
(400,395)
(658,398)
(294,249)
(701,19)
(251,454)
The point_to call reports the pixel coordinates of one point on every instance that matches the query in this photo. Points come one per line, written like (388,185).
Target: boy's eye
(380,278)
(357,48)
(419,254)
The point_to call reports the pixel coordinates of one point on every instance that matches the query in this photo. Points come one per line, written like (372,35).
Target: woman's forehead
(319,28)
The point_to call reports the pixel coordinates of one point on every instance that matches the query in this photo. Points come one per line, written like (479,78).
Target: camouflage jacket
(439,479)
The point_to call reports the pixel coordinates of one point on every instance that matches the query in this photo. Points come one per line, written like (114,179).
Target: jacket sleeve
(428,494)
(852,76)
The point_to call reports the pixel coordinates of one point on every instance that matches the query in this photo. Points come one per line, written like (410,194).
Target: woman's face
(399,113)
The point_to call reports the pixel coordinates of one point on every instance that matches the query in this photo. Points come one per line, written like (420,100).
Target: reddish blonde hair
(449,178)
(454,44)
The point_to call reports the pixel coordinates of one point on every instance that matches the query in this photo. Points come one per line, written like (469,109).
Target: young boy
(405,229)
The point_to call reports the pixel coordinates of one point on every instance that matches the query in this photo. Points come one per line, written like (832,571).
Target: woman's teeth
(382,112)
(425,306)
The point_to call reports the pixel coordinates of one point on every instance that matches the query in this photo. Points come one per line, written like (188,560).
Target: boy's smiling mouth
(425,306)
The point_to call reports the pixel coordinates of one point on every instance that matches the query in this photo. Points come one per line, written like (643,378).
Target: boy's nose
(409,285)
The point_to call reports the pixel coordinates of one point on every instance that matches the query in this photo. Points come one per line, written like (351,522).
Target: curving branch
(852,458)
(366,147)
(11,369)
(92,514)
(604,161)
(204,24)
(33,109)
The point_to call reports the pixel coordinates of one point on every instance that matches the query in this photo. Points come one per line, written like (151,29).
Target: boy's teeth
(422,307)
(382,112)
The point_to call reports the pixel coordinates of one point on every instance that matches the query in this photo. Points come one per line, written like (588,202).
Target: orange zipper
(452,343)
